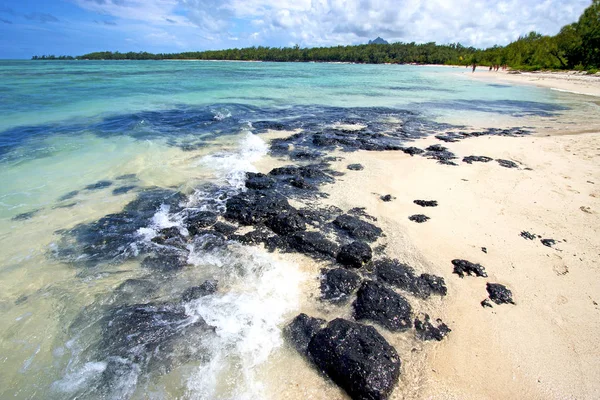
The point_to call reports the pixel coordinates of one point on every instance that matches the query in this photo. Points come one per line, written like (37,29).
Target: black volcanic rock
(507,163)
(287,223)
(195,292)
(255,206)
(462,267)
(499,294)
(338,284)
(258,181)
(357,358)
(419,218)
(200,220)
(357,228)
(313,244)
(355,254)
(301,330)
(355,167)
(403,277)
(427,331)
(426,203)
(472,159)
(379,304)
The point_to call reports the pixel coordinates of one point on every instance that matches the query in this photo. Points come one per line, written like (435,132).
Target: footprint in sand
(558,266)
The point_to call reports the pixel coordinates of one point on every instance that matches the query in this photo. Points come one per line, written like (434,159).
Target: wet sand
(545,346)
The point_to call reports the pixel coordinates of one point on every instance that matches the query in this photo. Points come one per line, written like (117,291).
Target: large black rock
(301,330)
(355,254)
(287,223)
(357,228)
(379,304)
(313,244)
(254,206)
(338,284)
(357,358)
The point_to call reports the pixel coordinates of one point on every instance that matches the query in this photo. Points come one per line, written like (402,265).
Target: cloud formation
(325,22)
(41,17)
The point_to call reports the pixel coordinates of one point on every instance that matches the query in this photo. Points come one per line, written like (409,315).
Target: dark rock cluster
(464,267)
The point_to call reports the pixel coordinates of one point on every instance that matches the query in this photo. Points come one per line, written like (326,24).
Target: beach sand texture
(543,347)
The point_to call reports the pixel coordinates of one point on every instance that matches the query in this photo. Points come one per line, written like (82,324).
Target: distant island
(379,40)
(576,46)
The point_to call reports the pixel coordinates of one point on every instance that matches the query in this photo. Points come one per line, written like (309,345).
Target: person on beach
(474,66)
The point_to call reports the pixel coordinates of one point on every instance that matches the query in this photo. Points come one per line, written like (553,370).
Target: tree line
(576,46)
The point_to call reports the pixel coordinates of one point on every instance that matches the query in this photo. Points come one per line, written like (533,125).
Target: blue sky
(35,27)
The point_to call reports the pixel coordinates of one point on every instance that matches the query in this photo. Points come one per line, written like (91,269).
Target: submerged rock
(507,163)
(301,330)
(379,304)
(99,185)
(169,236)
(419,218)
(426,203)
(25,216)
(357,358)
(200,220)
(123,190)
(355,254)
(462,267)
(338,284)
(357,228)
(499,294)
(164,262)
(427,331)
(195,292)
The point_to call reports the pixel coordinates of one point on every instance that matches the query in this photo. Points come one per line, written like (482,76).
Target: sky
(75,27)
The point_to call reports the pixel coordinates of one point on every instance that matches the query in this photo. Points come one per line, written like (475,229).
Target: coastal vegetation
(576,46)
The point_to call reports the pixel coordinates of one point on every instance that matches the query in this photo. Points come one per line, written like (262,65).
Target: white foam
(232,166)
(247,318)
(77,380)
(161,220)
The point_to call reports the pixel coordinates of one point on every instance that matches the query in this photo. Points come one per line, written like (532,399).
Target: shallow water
(97,157)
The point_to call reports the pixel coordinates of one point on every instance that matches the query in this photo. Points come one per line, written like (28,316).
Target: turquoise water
(79,141)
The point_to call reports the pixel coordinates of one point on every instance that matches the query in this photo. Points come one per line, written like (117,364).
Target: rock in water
(338,284)
(313,244)
(301,330)
(258,181)
(195,292)
(357,358)
(355,254)
(462,267)
(499,294)
(379,304)
(200,220)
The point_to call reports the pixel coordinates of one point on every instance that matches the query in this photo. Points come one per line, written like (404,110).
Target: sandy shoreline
(545,347)
(571,82)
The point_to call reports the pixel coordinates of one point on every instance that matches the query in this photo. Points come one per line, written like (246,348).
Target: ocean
(101,161)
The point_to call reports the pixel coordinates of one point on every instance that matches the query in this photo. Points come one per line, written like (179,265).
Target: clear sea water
(80,141)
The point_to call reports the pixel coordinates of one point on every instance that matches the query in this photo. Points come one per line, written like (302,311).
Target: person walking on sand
(474,66)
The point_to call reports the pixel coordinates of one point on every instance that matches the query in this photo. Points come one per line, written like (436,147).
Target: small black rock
(499,294)
(507,163)
(528,235)
(419,218)
(387,198)
(462,267)
(548,242)
(472,159)
(355,167)
(426,203)
(427,331)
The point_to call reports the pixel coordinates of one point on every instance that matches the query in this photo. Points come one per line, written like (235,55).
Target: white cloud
(478,23)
